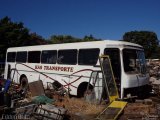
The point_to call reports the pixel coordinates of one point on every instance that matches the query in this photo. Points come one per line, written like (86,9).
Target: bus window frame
(98,54)
(59,58)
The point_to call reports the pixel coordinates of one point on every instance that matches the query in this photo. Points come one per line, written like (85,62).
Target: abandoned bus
(71,64)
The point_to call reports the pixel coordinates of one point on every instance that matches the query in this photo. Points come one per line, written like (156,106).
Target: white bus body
(71,64)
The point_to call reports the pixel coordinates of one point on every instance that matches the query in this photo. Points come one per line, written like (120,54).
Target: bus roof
(78,45)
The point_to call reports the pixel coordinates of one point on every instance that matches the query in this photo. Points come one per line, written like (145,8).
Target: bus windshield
(134,61)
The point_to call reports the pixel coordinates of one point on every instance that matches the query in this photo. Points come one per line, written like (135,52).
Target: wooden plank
(36,88)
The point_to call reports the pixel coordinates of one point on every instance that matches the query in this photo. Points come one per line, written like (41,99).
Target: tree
(34,40)
(11,35)
(55,39)
(14,34)
(147,39)
(89,38)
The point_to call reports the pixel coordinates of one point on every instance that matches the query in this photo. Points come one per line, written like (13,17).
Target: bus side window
(49,57)
(67,57)
(21,57)
(60,59)
(88,56)
(11,56)
(34,56)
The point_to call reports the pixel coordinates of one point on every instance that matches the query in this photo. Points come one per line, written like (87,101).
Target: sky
(104,19)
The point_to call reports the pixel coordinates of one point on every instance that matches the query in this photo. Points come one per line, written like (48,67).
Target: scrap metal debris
(32,105)
(154,71)
(49,111)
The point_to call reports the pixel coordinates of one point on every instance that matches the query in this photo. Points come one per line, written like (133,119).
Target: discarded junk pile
(154,71)
(18,103)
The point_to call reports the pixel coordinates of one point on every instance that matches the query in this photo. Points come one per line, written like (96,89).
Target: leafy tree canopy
(55,39)
(147,39)
(13,34)
(34,40)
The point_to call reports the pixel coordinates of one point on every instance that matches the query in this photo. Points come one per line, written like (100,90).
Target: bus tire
(82,89)
(24,82)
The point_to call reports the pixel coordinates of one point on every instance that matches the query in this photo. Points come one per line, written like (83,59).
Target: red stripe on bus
(82,71)
(67,84)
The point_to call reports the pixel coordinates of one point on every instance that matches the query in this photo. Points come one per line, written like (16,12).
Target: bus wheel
(24,83)
(82,89)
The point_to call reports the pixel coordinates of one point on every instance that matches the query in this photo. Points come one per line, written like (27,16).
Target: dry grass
(136,108)
(79,107)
